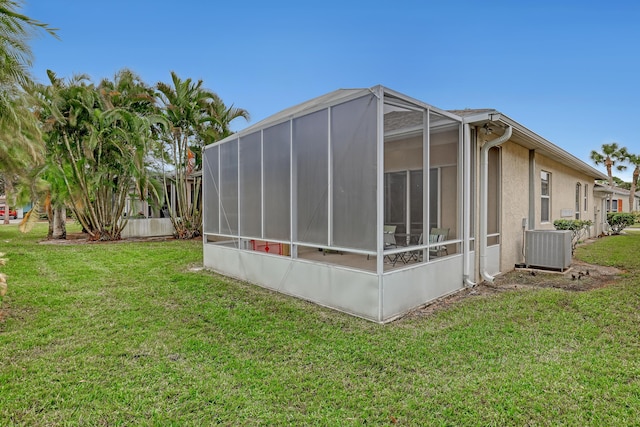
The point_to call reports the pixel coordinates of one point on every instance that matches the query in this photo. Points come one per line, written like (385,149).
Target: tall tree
(609,156)
(16,30)
(19,138)
(21,146)
(196,116)
(96,137)
(634,161)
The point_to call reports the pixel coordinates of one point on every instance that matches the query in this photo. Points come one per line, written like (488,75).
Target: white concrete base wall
(348,290)
(412,287)
(148,227)
(493,260)
(351,291)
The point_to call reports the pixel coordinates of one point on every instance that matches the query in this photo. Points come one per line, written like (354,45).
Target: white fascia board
(537,141)
(421,104)
(554,150)
(480,118)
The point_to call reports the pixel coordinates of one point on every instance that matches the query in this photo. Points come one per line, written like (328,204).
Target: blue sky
(567,69)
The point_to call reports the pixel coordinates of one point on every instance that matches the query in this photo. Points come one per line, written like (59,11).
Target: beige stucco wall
(600,213)
(515,198)
(563,192)
(514,202)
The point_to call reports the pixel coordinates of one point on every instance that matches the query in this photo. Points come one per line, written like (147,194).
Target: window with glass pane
(578,194)
(434,197)
(545,194)
(415,182)
(586,196)
(395,200)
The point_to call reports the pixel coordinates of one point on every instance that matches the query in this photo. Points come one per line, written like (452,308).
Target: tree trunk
(59,223)
(49,210)
(8,190)
(632,191)
(608,164)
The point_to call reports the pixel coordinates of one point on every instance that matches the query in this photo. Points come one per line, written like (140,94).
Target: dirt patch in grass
(579,277)
(83,238)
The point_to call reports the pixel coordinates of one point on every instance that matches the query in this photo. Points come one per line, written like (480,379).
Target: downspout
(466,184)
(484,189)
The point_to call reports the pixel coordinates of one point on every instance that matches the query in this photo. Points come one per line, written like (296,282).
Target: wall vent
(548,249)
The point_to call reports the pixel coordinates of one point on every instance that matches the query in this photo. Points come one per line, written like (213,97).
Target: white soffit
(531,140)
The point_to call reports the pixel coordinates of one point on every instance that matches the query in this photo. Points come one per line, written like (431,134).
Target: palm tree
(15,32)
(196,116)
(19,138)
(97,140)
(54,112)
(21,148)
(633,160)
(611,153)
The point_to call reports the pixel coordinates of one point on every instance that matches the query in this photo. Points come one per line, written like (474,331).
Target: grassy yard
(125,334)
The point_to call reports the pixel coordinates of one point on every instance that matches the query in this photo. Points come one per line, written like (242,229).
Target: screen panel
(211,196)
(354,154)
(251,185)
(229,187)
(310,144)
(277,181)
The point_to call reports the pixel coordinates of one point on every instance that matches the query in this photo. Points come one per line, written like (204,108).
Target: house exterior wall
(516,198)
(622,203)
(600,213)
(563,192)
(515,203)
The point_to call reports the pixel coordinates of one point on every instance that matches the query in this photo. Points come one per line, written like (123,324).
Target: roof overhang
(606,189)
(531,140)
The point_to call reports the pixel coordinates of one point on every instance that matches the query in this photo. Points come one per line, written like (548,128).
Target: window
(586,197)
(612,206)
(545,199)
(578,196)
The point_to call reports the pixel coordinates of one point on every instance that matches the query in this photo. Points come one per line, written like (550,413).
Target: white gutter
(466,184)
(484,189)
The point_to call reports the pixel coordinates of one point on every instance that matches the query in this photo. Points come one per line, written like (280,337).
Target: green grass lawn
(125,334)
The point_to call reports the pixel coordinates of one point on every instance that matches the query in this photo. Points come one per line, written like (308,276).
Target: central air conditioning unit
(548,249)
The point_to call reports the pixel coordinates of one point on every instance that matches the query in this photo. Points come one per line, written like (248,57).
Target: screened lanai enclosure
(353,200)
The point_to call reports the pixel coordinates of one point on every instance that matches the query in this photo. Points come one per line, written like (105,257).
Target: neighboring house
(612,199)
(374,203)
(153,219)
(20,210)
(143,209)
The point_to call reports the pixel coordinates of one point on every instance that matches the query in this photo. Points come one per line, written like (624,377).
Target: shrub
(578,228)
(618,221)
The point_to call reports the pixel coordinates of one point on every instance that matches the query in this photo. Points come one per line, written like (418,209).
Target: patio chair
(438,235)
(389,236)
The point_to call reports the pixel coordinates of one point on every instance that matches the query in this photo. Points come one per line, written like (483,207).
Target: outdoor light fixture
(487,130)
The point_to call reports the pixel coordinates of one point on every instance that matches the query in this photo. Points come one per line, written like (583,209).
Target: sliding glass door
(403,197)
